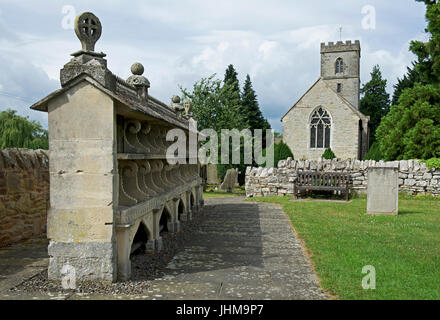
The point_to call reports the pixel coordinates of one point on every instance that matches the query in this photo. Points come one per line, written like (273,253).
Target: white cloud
(179,42)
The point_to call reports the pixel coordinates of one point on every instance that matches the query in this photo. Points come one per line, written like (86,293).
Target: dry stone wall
(24,194)
(414,176)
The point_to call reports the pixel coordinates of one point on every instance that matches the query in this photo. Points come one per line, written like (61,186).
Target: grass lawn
(222,194)
(341,239)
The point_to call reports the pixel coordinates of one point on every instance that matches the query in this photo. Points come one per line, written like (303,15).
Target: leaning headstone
(229,182)
(212,174)
(237,185)
(383,191)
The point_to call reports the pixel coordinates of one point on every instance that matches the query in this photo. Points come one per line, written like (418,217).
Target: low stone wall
(24,194)
(414,176)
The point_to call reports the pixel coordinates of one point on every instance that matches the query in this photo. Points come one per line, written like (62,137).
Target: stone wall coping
(26,159)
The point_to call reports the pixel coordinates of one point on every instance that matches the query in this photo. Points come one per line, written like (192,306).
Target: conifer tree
(252,113)
(375,101)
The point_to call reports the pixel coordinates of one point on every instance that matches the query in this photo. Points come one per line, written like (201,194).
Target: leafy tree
(213,108)
(375,101)
(210,104)
(19,132)
(412,127)
(219,105)
(251,110)
(328,154)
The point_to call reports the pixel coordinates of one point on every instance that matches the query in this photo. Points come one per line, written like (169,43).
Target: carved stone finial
(176,99)
(176,106)
(139,81)
(137,69)
(88,29)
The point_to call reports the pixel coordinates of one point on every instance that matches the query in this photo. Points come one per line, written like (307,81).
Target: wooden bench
(322,181)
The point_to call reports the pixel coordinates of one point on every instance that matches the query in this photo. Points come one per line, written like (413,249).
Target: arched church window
(339,65)
(320,129)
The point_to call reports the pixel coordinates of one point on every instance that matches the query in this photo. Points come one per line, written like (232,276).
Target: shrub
(328,154)
(433,163)
(281,152)
(374,153)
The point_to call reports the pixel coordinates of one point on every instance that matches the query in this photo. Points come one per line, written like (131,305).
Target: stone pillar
(124,250)
(156,233)
(173,226)
(83,184)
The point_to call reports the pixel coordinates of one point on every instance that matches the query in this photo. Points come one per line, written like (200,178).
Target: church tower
(340,68)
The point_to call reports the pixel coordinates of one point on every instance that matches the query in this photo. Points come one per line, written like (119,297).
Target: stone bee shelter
(112,189)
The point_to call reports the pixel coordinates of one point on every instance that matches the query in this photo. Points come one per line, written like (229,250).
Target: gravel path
(234,249)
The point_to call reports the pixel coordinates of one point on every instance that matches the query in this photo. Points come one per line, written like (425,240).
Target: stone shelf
(140,156)
(127,215)
(143,156)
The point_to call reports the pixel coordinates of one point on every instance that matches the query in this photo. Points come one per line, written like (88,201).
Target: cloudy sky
(179,42)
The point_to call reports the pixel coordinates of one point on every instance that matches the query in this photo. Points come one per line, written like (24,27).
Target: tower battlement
(340,46)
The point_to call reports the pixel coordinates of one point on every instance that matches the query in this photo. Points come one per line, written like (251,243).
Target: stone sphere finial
(176,99)
(137,69)
(88,29)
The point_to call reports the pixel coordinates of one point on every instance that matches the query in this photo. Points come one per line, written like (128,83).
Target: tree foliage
(408,81)
(19,132)
(233,100)
(251,111)
(375,101)
(428,53)
(211,104)
(411,130)
(412,127)
(220,105)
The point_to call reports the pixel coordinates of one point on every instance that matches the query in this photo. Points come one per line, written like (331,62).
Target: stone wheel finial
(88,30)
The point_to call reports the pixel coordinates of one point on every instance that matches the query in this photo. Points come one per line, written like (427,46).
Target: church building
(327,115)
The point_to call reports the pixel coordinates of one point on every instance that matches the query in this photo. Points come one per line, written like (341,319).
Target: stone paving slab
(22,261)
(243,250)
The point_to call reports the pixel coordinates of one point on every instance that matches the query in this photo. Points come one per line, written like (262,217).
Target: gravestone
(383,191)
(230,179)
(212,174)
